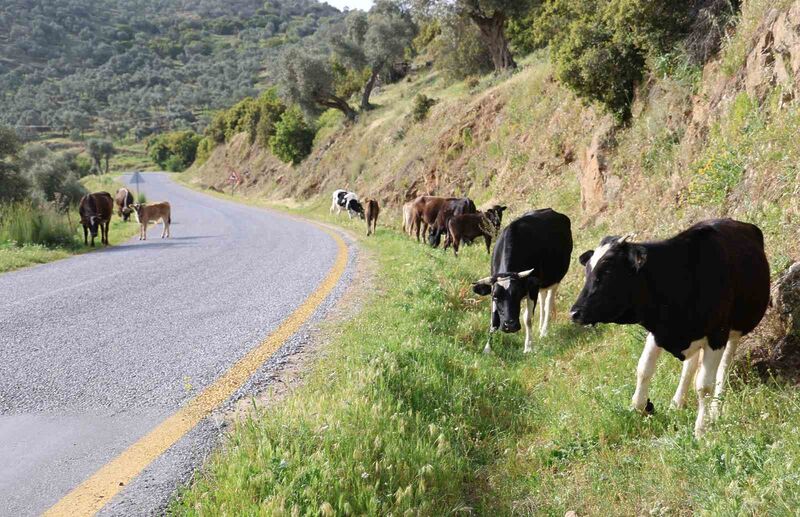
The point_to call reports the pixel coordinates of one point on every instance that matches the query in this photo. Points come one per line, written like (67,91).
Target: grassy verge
(14,256)
(407,416)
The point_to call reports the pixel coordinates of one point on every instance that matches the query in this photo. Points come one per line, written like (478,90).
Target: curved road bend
(98,349)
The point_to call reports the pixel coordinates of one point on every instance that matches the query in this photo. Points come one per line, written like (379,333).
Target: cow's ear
(533,286)
(638,256)
(502,208)
(585,256)
(481,288)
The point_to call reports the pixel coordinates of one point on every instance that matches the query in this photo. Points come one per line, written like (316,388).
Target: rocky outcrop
(598,185)
(776,348)
(775,57)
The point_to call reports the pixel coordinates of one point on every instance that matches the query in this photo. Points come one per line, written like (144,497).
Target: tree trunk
(107,158)
(339,104)
(365,105)
(493,33)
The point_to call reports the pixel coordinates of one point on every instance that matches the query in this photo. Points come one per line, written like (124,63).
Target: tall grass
(25,223)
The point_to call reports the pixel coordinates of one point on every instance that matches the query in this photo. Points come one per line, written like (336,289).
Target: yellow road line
(91,495)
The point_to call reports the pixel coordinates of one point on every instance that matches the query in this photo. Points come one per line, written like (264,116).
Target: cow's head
(136,210)
(611,280)
(498,209)
(354,206)
(507,290)
(93,222)
(126,213)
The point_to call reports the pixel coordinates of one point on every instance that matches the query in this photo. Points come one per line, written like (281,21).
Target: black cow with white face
(697,294)
(529,261)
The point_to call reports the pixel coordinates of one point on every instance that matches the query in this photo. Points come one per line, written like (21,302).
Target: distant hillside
(142,65)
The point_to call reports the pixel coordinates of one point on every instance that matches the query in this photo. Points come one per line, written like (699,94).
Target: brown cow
(466,227)
(425,210)
(95,211)
(152,212)
(123,200)
(371,212)
(450,208)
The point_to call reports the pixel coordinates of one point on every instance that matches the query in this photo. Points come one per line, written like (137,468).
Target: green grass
(34,236)
(406,416)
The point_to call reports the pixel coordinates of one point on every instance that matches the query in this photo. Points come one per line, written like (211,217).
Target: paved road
(96,350)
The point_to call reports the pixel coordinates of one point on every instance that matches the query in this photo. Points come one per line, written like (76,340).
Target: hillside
(405,415)
(142,65)
(716,141)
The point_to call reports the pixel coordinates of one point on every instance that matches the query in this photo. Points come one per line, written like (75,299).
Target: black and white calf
(529,261)
(343,199)
(696,294)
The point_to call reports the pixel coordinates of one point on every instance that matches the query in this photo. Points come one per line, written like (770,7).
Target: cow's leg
(644,372)
(105,232)
(526,319)
(546,310)
(333,205)
(488,349)
(704,384)
(488,241)
(687,375)
(144,231)
(540,300)
(85,236)
(727,357)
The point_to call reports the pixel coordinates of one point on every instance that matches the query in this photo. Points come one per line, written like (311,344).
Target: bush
(174,151)
(26,223)
(293,137)
(255,116)
(204,150)
(600,48)
(422,104)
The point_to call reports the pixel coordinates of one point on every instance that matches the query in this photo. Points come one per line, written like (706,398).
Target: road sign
(136,179)
(234,177)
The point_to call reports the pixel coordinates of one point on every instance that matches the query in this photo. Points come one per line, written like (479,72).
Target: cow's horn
(626,237)
(524,274)
(487,281)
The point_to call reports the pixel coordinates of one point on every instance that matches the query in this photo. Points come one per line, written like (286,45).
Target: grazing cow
(425,210)
(408,217)
(696,294)
(95,211)
(152,212)
(371,213)
(529,261)
(343,199)
(123,200)
(466,227)
(449,209)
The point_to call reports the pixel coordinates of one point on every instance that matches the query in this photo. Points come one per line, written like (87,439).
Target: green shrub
(293,137)
(26,223)
(600,47)
(422,104)
(715,178)
(174,151)
(204,150)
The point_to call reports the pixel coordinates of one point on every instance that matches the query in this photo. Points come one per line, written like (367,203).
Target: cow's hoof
(649,409)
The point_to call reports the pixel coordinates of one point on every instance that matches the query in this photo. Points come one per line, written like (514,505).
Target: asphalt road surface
(98,349)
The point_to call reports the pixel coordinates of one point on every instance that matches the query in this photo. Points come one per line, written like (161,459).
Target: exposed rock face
(778,349)
(598,186)
(786,297)
(775,58)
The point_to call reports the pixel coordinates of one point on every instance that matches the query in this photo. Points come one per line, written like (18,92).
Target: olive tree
(490,16)
(309,81)
(374,41)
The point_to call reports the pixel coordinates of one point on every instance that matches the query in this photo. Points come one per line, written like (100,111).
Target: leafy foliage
(293,137)
(174,151)
(458,49)
(600,47)
(422,104)
(143,66)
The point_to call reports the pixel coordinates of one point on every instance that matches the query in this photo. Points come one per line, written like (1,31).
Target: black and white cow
(701,290)
(343,199)
(529,261)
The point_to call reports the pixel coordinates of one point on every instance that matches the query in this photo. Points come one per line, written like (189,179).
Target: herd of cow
(696,293)
(95,211)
